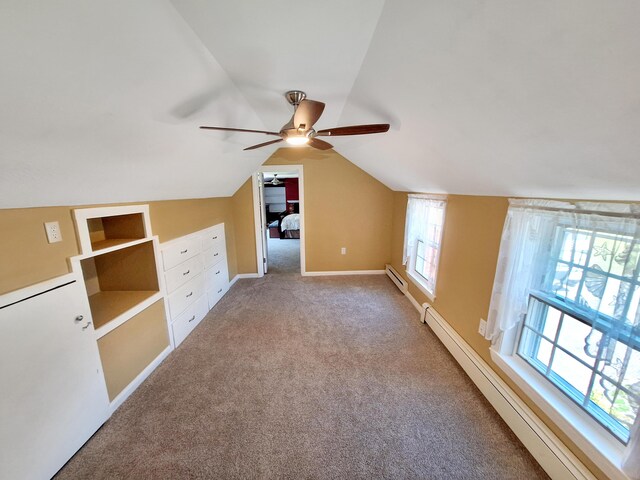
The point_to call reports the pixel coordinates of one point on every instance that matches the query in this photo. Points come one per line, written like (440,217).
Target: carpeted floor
(307,377)
(284,255)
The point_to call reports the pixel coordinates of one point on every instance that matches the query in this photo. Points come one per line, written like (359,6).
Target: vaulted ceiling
(100,101)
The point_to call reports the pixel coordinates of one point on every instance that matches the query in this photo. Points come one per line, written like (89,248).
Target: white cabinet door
(53,392)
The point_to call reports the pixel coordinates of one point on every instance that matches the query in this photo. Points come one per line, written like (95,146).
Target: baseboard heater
(396,278)
(556,459)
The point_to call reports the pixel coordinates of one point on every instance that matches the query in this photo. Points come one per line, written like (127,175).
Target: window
(566,303)
(423,236)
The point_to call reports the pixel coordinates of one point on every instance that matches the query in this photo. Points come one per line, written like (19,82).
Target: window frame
(589,435)
(417,278)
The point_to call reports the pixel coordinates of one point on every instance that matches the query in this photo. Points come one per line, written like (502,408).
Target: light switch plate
(53,232)
(482,328)
(343,250)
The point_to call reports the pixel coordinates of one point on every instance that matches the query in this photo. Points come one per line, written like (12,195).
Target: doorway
(278,192)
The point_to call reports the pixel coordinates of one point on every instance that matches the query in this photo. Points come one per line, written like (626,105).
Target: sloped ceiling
(100,101)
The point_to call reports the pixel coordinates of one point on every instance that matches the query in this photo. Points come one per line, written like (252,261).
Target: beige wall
(26,258)
(242,202)
(343,207)
(470,246)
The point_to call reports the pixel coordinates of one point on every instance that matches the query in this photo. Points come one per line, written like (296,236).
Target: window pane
(632,313)
(631,378)
(602,253)
(572,372)
(602,393)
(572,337)
(615,366)
(625,409)
(535,349)
(420,249)
(583,244)
(568,281)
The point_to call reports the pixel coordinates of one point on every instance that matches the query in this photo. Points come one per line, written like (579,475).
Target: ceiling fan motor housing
(294,97)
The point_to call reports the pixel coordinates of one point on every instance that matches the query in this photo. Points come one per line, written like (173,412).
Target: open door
(264,231)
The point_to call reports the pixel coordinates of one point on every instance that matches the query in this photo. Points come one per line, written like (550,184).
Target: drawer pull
(192,318)
(215,238)
(184,251)
(190,293)
(220,291)
(186,273)
(86,326)
(216,254)
(217,272)
(79,318)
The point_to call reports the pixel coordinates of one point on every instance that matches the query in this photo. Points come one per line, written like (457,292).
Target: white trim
(344,272)
(418,283)
(135,383)
(240,276)
(81,215)
(585,432)
(554,457)
(257,228)
(299,169)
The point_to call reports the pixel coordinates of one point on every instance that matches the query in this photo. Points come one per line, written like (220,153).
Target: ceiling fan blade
(307,114)
(240,130)
(263,144)
(355,130)
(319,144)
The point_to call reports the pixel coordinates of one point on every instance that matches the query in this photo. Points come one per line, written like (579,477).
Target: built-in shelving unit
(106,227)
(119,265)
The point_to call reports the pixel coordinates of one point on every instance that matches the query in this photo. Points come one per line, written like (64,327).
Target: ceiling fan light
(301,140)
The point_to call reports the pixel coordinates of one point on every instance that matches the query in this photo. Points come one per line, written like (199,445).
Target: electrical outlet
(53,232)
(343,250)
(483,327)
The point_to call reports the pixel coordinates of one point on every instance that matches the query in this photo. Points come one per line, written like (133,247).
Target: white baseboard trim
(344,272)
(142,376)
(242,275)
(552,455)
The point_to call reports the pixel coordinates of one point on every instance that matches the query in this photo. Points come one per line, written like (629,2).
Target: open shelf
(105,306)
(119,280)
(105,232)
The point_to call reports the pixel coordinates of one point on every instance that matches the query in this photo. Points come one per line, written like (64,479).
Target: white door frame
(256,212)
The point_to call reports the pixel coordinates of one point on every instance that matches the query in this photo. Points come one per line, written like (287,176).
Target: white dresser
(196,277)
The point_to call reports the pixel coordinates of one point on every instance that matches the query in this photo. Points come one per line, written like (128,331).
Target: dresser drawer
(178,252)
(186,295)
(182,273)
(213,256)
(214,295)
(189,319)
(213,237)
(217,276)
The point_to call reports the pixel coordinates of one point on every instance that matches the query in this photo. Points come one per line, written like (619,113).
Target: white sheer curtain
(418,211)
(522,261)
(525,263)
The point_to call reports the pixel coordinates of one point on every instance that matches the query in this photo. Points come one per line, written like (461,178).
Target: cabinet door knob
(79,318)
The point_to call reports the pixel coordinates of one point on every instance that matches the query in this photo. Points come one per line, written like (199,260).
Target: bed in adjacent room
(290,226)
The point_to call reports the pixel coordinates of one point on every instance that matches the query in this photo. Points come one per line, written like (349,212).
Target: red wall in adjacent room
(291,189)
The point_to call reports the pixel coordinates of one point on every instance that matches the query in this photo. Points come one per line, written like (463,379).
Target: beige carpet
(284,255)
(314,377)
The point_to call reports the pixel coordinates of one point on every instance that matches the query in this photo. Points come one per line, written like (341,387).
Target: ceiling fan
(275,180)
(299,130)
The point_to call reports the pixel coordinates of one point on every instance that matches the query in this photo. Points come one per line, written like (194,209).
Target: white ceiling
(100,101)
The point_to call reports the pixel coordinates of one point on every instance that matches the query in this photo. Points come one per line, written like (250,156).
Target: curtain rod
(580,211)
